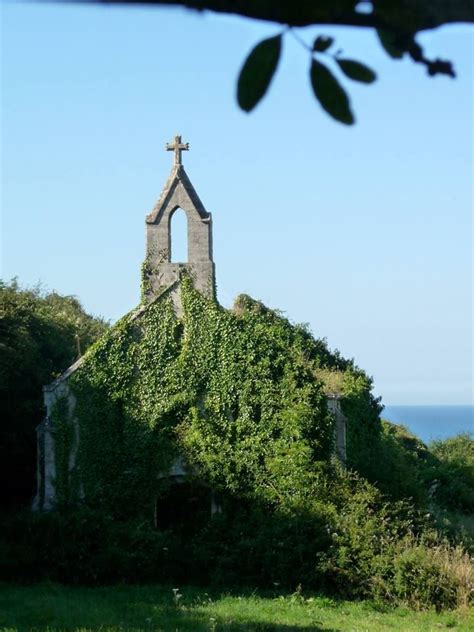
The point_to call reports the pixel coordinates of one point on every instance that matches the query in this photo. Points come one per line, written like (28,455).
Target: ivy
(234,394)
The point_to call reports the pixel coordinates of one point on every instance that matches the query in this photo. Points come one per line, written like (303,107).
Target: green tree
(41,334)
(452,474)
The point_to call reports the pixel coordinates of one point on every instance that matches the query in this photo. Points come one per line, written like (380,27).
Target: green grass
(118,608)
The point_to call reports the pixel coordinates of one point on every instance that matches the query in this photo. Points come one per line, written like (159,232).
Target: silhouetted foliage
(395,22)
(40,336)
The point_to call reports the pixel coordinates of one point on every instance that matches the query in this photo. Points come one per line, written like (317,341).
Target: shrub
(452,473)
(86,547)
(404,458)
(436,575)
(260,547)
(344,539)
(365,531)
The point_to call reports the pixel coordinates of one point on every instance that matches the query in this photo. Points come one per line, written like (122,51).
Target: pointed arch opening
(178,236)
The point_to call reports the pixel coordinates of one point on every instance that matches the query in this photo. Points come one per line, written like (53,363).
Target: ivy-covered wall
(239,395)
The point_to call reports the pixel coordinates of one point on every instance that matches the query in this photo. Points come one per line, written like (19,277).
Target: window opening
(179,236)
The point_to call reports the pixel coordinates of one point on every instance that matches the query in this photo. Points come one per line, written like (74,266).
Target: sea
(432,422)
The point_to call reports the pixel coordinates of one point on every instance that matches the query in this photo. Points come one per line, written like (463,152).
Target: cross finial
(177,146)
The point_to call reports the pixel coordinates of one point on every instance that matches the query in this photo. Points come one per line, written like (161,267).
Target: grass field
(118,608)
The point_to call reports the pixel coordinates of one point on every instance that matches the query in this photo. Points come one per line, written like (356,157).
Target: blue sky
(365,232)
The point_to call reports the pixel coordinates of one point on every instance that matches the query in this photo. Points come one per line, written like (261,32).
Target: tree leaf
(388,41)
(257,72)
(356,71)
(322,43)
(330,94)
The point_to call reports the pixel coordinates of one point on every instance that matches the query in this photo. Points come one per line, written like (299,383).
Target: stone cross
(177,146)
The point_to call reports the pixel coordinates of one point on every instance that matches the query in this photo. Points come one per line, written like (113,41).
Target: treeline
(41,334)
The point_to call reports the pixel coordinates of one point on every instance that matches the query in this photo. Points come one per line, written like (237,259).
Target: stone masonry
(159,271)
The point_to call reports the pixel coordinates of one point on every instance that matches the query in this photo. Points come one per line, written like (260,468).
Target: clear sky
(365,232)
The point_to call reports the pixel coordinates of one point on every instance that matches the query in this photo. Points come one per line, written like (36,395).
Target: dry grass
(458,564)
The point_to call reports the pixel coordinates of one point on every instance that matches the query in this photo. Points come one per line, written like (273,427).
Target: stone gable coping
(177,175)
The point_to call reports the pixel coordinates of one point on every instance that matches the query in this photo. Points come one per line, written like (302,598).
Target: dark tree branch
(407,15)
(396,21)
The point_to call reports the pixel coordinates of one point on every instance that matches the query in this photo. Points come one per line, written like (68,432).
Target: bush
(404,458)
(390,550)
(86,547)
(353,543)
(245,546)
(452,473)
(439,576)
(365,531)
(251,546)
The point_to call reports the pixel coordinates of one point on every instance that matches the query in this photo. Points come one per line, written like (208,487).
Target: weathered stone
(159,271)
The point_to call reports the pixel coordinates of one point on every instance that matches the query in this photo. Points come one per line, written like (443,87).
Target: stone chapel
(160,279)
